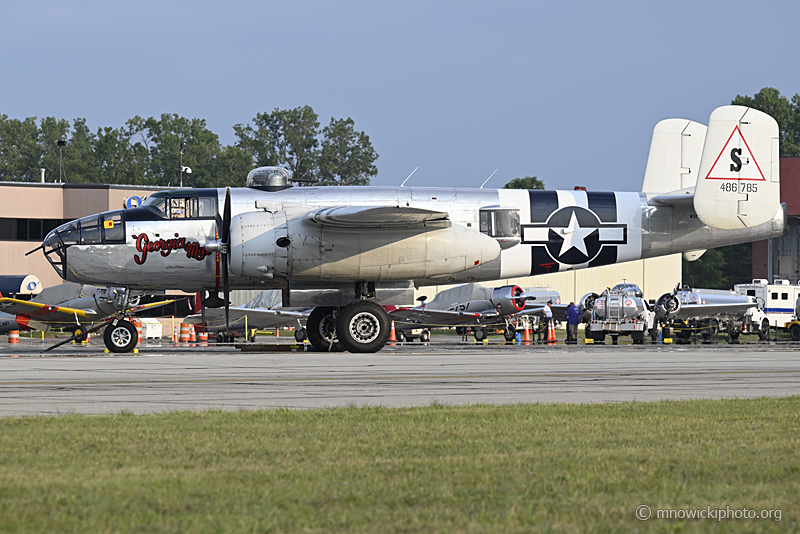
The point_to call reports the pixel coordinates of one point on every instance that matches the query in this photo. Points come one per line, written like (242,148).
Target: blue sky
(566,91)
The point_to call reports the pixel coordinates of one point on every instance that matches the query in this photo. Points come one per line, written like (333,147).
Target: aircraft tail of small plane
(738,183)
(674,156)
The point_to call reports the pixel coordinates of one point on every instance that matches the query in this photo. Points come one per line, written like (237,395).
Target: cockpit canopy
(269,178)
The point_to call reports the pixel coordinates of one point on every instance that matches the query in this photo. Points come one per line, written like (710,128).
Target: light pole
(183,147)
(61,143)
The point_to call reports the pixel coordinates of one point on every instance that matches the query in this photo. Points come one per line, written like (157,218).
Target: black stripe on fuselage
(604,205)
(543,203)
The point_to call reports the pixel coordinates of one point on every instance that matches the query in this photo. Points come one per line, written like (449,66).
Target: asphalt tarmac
(163,378)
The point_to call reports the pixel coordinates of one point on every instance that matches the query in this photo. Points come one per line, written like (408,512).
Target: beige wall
(45,201)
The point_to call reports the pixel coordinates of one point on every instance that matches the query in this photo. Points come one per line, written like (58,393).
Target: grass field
(523,468)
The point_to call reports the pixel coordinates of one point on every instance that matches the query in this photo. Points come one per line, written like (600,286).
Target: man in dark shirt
(573,318)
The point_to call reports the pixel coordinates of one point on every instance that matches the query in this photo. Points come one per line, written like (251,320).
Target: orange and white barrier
(551,333)
(184,336)
(138,325)
(202,338)
(13,336)
(392,333)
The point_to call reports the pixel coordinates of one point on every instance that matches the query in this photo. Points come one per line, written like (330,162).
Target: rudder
(738,185)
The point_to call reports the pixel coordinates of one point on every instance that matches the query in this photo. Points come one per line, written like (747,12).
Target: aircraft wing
(256,318)
(443,317)
(141,307)
(43,313)
(690,311)
(355,217)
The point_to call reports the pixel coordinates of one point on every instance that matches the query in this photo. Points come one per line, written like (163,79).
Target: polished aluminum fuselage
(558,231)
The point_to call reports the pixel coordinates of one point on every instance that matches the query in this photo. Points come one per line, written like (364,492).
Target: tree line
(148,151)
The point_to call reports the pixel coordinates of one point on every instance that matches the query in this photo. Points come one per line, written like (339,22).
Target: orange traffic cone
(551,333)
(527,337)
(392,334)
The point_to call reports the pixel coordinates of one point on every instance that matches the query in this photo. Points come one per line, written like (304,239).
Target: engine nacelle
(504,301)
(667,304)
(266,245)
(587,301)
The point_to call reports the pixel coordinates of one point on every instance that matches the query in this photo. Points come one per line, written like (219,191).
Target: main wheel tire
(425,336)
(763,334)
(401,337)
(363,326)
(79,332)
(300,335)
(509,334)
(120,337)
(321,330)
(794,331)
(480,333)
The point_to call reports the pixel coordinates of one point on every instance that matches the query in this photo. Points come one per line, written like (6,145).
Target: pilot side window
(90,231)
(113,229)
(499,222)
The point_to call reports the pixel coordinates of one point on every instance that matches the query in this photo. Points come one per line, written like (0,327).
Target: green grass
(523,468)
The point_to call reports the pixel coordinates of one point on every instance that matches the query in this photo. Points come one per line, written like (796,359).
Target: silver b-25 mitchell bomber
(348,250)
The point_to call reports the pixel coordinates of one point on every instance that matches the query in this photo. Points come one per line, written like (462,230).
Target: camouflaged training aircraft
(75,307)
(348,250)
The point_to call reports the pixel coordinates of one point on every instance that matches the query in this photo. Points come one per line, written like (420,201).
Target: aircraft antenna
(489,178)
(409,176)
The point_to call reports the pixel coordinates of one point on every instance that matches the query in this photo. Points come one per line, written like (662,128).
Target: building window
(27,229)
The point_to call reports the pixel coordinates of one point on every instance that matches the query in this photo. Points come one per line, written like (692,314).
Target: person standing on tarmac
(573,319)
(548,317)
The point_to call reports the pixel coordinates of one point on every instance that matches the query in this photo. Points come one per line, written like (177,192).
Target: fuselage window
(500,222)
(182,207)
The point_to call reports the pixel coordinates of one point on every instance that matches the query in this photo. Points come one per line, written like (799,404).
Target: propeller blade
(226,219)
(226,239)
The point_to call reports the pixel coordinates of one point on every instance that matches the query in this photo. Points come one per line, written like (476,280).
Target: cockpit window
(157,203)
(70,233)
(195,204)
(90,231)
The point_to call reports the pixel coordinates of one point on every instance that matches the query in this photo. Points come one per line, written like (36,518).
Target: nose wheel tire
(120,337)
(363,326)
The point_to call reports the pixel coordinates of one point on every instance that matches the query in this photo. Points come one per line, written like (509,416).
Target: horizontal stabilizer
(683,197)
(738,185)
(366,217)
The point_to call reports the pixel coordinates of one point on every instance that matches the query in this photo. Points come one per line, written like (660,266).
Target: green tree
(785,112)
(528,182)
(346,156)
(51,131)
(720,268)
(79,156)
(20,151)
(284,137)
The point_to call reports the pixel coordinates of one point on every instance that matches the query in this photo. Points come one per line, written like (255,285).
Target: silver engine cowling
(667,304)
(504,301)
(587,301)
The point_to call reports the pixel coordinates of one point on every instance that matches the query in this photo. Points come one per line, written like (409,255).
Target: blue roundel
(32,286)
(133,202)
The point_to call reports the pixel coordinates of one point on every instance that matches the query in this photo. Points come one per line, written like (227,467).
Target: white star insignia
(574,236)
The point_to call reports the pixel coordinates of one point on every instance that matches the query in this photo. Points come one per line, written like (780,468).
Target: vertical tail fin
(674,156)
(738,185)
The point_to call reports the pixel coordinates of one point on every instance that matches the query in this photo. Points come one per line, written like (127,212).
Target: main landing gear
(361,326)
